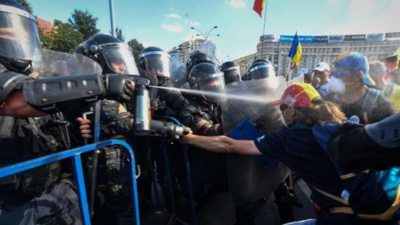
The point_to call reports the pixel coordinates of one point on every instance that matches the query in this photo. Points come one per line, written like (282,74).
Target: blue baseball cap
(356,62)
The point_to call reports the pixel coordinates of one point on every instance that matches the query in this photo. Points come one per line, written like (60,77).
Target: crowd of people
(337,130)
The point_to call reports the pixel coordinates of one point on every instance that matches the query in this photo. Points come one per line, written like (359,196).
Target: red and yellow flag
(259,6)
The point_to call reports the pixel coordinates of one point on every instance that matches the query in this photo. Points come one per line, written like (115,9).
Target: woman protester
(339,197)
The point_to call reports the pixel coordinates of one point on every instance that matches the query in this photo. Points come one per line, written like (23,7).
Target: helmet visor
(119,58)
(19,37)
(158,63)
(232,75)
(212,87)
(261,71)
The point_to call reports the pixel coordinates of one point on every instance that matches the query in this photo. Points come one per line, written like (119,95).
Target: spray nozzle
(139,81)
(168,129)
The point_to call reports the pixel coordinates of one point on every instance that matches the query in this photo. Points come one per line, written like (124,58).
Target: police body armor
(113,160)
(28,138)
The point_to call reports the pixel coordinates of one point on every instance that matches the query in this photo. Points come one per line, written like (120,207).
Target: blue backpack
(369,194)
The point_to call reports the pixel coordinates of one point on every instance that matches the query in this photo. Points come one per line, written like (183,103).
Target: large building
(245,62)
(186,48)
(321,48)
(44,25)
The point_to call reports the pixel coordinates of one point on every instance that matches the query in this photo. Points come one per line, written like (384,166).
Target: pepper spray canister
(142,105)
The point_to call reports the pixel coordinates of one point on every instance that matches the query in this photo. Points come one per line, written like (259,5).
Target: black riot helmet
(19,38)
(206,78)
(196,58)
(231,72)
(113,55)
(260,69)
(156,61)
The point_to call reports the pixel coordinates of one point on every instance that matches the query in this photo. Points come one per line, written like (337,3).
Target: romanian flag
(258,6)
(295,52)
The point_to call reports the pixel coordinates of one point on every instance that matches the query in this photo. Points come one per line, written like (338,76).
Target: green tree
(136,47)
(46,39)
(120,36)
(84,22)
(26,5)
(64,38)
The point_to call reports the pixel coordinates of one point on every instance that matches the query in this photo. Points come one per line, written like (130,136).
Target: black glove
(119,88)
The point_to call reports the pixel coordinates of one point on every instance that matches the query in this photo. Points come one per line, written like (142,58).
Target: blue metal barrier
(78,171)
(188,178)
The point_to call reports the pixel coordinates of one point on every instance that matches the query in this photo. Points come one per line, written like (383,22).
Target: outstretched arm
(222,144)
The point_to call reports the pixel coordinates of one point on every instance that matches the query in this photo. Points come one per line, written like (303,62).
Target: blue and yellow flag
(295,52)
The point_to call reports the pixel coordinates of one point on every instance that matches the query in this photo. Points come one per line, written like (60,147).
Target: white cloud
(194,23)
(174,15)
(370,23)
(172,28)
(236,3)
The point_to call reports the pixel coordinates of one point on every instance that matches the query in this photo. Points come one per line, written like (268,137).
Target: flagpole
(265,21)
(288,69)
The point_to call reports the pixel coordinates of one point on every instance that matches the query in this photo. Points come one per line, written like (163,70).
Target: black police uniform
(113,167)
(207,168)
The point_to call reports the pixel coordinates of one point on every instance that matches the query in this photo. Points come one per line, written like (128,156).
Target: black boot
(245,214)
(285,207)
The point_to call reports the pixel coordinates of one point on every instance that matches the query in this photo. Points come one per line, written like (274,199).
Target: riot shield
(250,99)
(179,75)
(55,63)
(209,48)
(249,180)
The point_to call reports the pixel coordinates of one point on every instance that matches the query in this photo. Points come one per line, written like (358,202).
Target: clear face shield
(232,75)
(55,63)
(19,37)
(119,58)
(261,71)
(158,63)
(213,88)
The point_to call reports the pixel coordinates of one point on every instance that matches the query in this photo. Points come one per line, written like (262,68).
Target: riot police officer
(207,83)
(168,102)
(157,62)
(40,195)
(114,56)
(231,72)
(260,69)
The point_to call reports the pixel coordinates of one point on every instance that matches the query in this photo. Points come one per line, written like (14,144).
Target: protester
(321,78)
(396,77)
(302,108)
(351,89)
(390,90)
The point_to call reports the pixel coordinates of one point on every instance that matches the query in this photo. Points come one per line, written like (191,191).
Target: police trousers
(58,207)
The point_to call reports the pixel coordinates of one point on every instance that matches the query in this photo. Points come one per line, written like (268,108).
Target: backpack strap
(369,103)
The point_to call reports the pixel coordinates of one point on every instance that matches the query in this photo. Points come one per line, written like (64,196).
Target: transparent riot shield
(55,63)
(249,179)
(209,48)
(179,74)
(249,99)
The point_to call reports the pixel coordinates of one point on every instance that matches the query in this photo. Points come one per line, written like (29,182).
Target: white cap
(322,66)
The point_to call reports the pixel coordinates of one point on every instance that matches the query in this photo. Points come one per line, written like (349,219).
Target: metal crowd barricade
(173,214)
(75,153)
